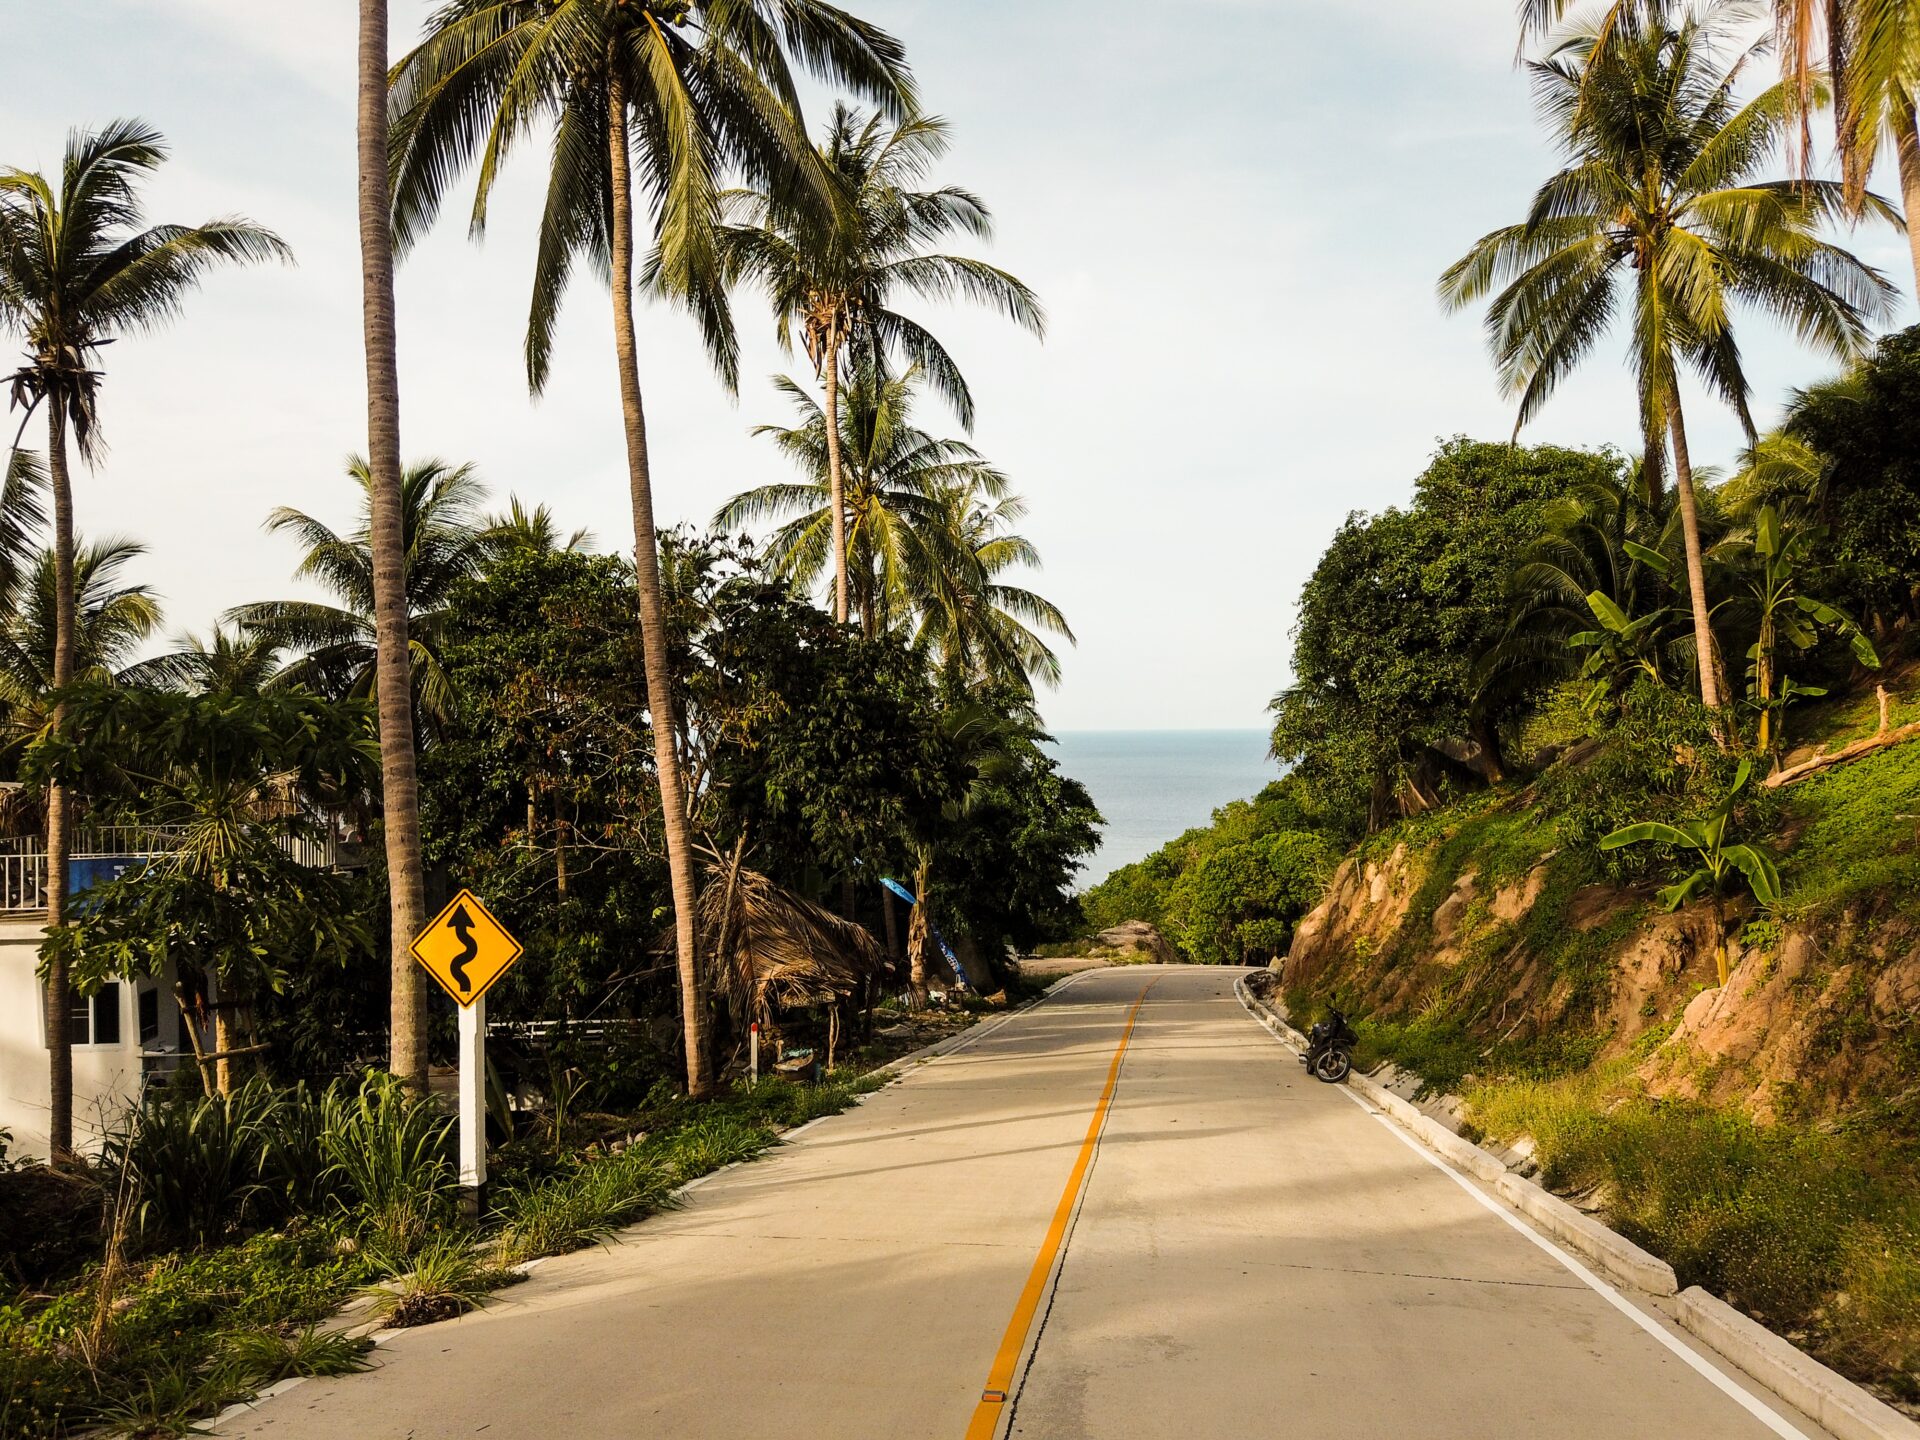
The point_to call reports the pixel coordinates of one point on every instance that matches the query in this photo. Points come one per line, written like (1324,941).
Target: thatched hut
(771,950)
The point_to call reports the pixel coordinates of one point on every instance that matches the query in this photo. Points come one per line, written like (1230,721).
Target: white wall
(106,1078)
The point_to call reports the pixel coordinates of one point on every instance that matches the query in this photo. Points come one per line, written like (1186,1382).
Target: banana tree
(1624,645)
(1719,861)
(1775,565)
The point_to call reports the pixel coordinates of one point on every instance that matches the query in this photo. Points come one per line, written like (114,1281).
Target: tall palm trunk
(836,487)
(653,612)
(1907,146)
(59,996)
(1696,565)
(399,782)
(919,936)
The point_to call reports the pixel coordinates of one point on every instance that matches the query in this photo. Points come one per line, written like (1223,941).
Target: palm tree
(111,620)
(518,530)
(78,271)
(1861,56)
(399,774)
(925,531)
(833,274)
(1657,217)
(443,541)
(697,86)
(986,631)
(231,658)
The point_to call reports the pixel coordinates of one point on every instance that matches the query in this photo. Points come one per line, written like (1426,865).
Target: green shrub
(581,1206)
(1242,900)
(443,1278)
(392,1153)
(1659,760)
(266,1357)
(198,1164)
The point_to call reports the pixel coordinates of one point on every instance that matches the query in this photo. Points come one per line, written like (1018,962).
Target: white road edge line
(1760,1411)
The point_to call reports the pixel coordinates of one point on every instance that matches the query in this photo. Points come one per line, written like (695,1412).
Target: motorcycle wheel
(1333,1066)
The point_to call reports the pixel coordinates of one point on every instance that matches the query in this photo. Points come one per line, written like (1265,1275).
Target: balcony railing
(23,861)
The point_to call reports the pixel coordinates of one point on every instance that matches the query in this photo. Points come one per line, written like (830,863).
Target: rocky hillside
(1818,1014)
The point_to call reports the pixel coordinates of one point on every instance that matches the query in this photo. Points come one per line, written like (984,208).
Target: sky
(1234,210)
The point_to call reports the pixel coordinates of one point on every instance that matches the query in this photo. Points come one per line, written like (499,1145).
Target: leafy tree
(1243,900)
(833,271)
(79,271)
(1707,841)
(604,77)
(1592,595)
(230,658)
(229,779)
(1158,889)
(1857,445)
(540,792)
(1659,217)
(1396,618)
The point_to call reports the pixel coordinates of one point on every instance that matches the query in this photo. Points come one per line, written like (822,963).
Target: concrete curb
(1824,1395)
(1792,1374)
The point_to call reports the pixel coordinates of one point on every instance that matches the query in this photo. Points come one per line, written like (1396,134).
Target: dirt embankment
(1818,1016)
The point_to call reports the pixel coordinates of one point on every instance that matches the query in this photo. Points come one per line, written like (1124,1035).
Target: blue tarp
(945,949)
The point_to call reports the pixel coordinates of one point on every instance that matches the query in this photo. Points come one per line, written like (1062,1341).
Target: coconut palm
(78,270)
(1658,219)
(988,630)
(518,530)
(926,531)
(443,541)
(833,274)
(393,643)
(230,658)
(697,86)
(1860,56)
(112,618)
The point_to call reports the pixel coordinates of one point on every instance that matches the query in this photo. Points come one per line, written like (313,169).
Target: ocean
(1151,785)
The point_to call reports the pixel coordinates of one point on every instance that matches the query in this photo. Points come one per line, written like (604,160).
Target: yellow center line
(986,1415)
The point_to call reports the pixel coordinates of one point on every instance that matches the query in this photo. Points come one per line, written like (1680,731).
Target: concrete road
(1250,1253)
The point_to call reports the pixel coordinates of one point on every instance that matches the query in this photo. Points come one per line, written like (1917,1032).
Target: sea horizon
(1151,786)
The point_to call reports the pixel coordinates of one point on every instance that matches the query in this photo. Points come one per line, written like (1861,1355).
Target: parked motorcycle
(1330,1045)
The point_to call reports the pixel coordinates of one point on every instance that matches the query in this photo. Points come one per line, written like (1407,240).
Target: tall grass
(1806,1230)
(393,1154)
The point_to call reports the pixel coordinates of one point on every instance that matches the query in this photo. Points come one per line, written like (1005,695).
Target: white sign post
(466,949)
(473,1097)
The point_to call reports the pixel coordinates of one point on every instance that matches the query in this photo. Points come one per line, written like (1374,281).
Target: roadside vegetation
(679,766)
(230,1242)
(1617,752)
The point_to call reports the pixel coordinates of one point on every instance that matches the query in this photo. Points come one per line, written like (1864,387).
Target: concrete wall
(106,1078)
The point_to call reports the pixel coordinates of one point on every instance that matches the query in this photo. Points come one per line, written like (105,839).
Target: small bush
(444,1278)
(392,1154)
(266,1357)
(581,1207)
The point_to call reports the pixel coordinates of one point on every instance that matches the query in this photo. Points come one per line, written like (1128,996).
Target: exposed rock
(1138,937)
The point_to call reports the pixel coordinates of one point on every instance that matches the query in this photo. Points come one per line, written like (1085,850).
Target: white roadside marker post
(753,1052)
(473,1103)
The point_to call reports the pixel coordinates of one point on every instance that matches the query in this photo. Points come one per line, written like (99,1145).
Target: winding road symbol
(465,948)
(461,924)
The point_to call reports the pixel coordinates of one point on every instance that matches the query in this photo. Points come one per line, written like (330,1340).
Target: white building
(127,1032)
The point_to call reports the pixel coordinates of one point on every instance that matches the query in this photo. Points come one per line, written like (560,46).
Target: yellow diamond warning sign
(465,948)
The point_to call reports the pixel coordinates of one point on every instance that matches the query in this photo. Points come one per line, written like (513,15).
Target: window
(149,1016)
(95,1020)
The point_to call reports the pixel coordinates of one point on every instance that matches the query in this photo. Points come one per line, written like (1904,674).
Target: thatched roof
(771,949)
